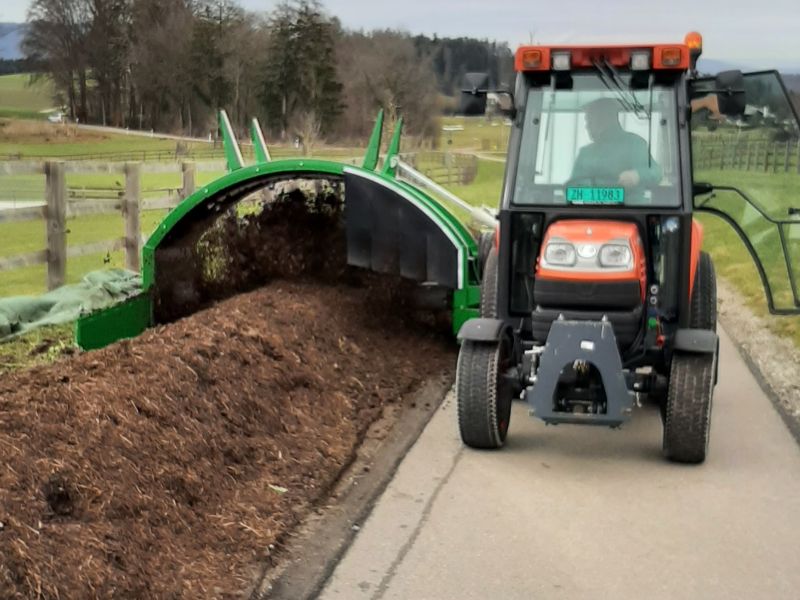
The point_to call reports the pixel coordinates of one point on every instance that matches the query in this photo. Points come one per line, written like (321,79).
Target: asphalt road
(578,512)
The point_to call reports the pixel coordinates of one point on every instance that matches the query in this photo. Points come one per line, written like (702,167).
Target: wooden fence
(189,153)
(445,168)
(748,155)
(58,207)
(62,203)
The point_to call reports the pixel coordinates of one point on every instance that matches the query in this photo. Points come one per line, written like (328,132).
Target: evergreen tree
(301,90)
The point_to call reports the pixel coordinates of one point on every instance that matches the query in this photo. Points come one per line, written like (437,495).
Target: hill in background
(11,35)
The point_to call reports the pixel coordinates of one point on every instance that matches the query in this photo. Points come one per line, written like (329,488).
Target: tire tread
(476,393)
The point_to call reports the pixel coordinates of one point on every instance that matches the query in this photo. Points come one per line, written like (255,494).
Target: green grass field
(108,185)
(95,149)
(775,193)
(475,133)
(21,97)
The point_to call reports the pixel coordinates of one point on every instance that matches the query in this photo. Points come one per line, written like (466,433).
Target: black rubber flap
(388,233)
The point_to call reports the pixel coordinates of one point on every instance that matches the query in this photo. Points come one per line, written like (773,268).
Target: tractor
(596,293)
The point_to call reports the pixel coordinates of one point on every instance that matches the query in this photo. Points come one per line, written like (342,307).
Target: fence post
(188,187)
(798,156)
(774,157)
(747,166)
(130,212)
(786,158)
(56,190)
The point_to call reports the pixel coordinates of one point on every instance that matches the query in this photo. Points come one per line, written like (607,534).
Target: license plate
(595,195)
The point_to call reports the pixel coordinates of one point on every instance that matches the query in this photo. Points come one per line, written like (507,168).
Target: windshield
(600,142)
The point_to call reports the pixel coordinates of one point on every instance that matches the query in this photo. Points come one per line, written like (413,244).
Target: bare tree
(307,126)
(56,37)
(383,69)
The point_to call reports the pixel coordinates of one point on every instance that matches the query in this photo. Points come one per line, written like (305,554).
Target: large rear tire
(489,287)
(483,394)
(485,247)
(704,295)
(687,408)
(687,414)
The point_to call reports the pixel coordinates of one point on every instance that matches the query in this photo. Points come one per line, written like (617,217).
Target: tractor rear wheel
(489,287)
(687,412)
(485,247)
(704,295)
(483,393)
(687,409)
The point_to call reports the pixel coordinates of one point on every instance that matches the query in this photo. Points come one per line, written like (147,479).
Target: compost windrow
(174,465)
(166,466)
(287,229)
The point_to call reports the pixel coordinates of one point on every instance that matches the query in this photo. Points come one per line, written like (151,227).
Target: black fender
(696,341)
(482,330)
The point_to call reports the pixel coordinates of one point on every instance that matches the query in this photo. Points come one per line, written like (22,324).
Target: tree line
(169,65)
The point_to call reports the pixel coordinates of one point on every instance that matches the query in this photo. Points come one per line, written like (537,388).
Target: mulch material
(295,230)
(168,466)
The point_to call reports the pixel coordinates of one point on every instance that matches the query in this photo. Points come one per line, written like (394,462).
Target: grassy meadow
(22,97)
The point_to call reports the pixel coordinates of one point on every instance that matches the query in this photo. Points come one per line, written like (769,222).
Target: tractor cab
(598,293)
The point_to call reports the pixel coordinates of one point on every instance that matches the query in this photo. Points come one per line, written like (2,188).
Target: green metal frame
(132,317)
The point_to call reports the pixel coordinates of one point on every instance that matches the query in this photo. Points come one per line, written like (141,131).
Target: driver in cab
(615,156)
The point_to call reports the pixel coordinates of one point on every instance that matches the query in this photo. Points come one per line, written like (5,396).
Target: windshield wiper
(616,88)
(637,106)
(627,98)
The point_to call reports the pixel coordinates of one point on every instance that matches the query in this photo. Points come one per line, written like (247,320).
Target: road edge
(316,548)
(792,424)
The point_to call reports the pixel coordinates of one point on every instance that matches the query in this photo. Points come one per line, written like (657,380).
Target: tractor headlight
(561,254)
(616,256)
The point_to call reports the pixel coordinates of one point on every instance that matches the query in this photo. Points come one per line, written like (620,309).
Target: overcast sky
(763,32)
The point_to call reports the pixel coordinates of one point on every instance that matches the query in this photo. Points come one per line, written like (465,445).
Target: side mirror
(505,103)
(474,90)
(729,89)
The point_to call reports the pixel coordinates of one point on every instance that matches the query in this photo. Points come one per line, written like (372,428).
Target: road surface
(578,512)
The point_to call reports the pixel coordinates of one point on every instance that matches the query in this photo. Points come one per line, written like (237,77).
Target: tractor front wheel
(687,413)
(484,393)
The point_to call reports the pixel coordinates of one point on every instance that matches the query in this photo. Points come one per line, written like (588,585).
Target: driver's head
(602,117)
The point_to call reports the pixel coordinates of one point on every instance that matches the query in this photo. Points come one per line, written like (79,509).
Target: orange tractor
(596,293)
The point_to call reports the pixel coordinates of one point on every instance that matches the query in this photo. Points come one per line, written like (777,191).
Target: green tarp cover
(98,289)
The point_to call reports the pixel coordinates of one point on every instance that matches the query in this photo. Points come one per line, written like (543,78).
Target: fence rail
(62,203)
(128,203)
(445,168)
(139,155)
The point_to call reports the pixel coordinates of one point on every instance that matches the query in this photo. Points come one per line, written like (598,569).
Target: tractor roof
(675,57)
